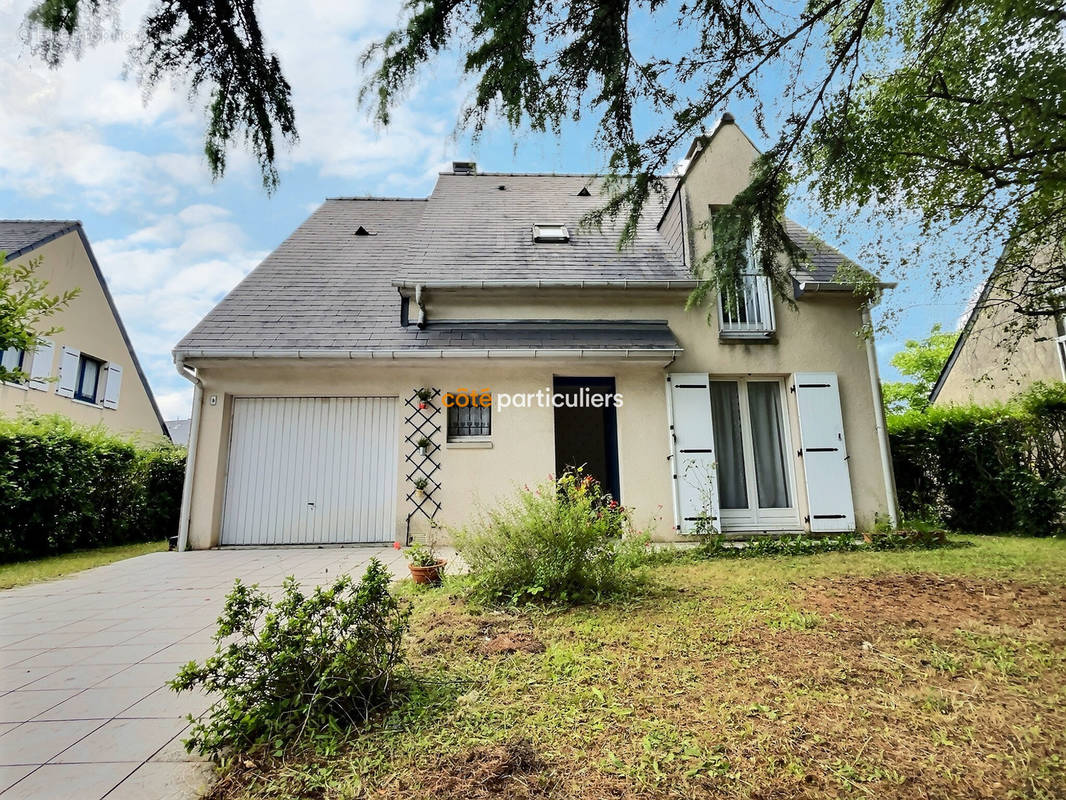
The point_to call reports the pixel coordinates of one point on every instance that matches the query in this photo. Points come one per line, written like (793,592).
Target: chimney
(464,168)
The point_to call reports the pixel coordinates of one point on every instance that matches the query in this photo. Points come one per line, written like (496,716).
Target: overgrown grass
(892,674)
(46,569)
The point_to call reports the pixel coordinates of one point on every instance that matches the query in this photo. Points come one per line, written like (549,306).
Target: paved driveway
(83,710)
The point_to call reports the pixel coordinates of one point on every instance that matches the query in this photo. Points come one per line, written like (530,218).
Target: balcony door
(756,481)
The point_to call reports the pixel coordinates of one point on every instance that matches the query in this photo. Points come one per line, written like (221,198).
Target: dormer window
(550,232)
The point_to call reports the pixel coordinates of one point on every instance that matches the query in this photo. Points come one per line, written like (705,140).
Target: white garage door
(311,470)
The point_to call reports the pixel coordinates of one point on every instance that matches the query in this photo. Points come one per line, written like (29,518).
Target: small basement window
(467,421)
(545,232)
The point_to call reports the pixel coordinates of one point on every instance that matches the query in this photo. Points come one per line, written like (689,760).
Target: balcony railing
(750,313)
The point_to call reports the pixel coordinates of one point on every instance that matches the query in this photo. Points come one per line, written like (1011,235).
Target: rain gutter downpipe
(879,420)
(190,455)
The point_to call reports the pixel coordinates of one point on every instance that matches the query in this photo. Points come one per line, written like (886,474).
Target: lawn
(916,674)
(45,569)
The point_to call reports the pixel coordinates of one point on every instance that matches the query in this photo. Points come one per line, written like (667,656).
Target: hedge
(66,487)
(986,469)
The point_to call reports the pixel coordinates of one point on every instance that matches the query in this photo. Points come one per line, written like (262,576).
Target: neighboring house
(982,369)
(87,371)
(306,416)
(179,431)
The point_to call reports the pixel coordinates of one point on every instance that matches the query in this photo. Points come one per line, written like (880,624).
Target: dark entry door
(586,429)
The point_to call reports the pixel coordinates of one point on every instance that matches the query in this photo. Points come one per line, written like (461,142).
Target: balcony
(749,315)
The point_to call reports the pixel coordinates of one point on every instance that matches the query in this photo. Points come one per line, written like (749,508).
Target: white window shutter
(41,365)
(825,455)
(68,371)
(692,435)
(113,386)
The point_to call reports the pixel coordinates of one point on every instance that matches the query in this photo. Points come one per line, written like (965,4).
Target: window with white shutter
(112,385)
(41,365)
(69,359)
(692,437)
(830,506)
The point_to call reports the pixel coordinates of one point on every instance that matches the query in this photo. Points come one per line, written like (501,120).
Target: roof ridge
(538,175)
(373,197)
(41,221)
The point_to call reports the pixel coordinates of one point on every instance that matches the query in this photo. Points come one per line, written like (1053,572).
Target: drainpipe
(879,420)
(190,455)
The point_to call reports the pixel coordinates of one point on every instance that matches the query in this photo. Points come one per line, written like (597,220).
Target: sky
(83,142)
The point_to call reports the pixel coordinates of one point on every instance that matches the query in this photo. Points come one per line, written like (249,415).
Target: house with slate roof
(86,370)
(396,362)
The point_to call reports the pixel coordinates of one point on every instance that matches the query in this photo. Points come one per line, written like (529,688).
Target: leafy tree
(24,305)
(944,114)
(921,361)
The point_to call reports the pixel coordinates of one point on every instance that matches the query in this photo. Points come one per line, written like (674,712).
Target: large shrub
(304,668)
(67,487)
(563,542)
(986,469)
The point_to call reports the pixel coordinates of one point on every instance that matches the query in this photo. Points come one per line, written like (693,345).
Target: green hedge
(66,487)
(986,469)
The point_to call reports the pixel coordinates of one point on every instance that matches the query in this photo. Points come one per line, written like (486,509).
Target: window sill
(469,444)
(747,336)
(14,385)
(87,403)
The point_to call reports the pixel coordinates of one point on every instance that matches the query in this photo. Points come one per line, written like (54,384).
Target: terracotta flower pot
(430,575)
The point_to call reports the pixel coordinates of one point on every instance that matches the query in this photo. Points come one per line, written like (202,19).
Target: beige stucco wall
(819,337)
(89,326)
(986,371)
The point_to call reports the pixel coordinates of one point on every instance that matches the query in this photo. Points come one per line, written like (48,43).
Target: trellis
(422,423)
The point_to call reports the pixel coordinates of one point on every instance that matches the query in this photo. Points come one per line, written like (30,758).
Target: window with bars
(465,422)
(750,310)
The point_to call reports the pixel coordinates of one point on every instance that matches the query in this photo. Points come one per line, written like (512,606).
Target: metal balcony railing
(751,311)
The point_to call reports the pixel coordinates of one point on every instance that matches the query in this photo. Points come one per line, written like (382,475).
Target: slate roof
(326,288)
(19,235)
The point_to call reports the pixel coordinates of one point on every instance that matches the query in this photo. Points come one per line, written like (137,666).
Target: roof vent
(584,192)
(502,187)
(550,232)
(464,168)
(361,231)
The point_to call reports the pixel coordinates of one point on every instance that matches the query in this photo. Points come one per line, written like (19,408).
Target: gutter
(621,283)
(399,355)
(190,454)
(884,446)
(803,287)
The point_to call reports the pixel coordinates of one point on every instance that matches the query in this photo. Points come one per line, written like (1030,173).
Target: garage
(311,471)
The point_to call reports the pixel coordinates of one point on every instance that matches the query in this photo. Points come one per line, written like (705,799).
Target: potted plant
(423,445)
(425,565)
(423,396)
(420,487)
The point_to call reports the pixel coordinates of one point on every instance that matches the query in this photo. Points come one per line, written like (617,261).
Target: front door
(756,489)
(586,430)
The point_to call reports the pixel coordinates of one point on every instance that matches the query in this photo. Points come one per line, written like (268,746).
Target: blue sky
(80,142)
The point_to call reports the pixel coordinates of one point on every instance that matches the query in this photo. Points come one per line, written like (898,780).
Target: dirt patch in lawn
(938,603)
(512,770)
(517,642)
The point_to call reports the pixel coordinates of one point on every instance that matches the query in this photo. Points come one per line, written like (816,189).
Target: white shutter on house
(68,371)
(41,365)
(693,462)
(9,359)
(112,386)
(825,455)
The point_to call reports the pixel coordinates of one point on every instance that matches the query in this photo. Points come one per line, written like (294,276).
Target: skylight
(553,232)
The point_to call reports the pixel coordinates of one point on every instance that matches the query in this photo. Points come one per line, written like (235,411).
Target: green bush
(564,542)
(66,487)
(304,669)
(802,545)
(986,469)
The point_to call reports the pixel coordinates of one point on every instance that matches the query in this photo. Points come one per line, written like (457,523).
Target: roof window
(553,232)
(361,231)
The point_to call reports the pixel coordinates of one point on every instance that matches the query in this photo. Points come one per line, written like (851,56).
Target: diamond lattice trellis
(422,422)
